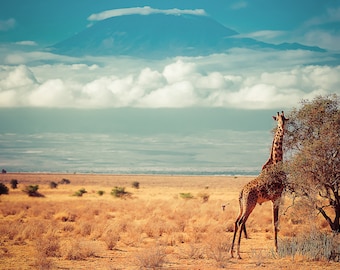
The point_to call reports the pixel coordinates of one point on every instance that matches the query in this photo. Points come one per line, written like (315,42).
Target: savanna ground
(169,222)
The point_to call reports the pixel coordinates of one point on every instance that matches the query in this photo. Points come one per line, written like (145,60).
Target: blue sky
(199,97)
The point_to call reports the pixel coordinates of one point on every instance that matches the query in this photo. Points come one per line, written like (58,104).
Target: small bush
(313,246)
(14,183)
(111,238)
(53,185)
(218,249)
(119,192)
(100,192)
(48,246)
(64,181)
(135,184)
(3,189)
(152,258)
(75,250)
(186,195)
(32,191)
(80,192)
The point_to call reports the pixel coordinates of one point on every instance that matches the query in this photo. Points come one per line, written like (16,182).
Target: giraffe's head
(281,120)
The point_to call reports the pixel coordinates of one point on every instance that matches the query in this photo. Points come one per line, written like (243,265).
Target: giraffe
(268,186)
(276,154)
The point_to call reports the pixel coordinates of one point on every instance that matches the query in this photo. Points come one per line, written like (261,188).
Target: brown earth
(170,222)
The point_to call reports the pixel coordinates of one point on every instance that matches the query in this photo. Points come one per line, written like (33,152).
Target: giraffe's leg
(242,223)
(236,228)
(237,224)
(276,205)
(245,231)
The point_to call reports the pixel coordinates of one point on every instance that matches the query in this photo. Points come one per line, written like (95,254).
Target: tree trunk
(337,219)
(335,226)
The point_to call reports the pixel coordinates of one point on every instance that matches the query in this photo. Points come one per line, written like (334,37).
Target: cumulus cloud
(142,11)
(52,93)
(277,80)
(6,25)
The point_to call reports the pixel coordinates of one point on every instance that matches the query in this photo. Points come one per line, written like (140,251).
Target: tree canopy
(313,146)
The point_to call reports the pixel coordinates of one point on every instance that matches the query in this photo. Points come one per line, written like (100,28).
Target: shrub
(64,181)
(119,192)
(75,250)
(111,238)
(100,192)
(48,246)
(186,195)
(135,184)
(152,258)
(14,183)
(80,192)
(218,249)
(3,189)
(313,246)
(32,191)
(53,184)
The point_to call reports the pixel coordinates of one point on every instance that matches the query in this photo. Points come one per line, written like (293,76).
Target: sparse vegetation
(32,191)
(3,189)
(314,246)
(53,184)
(80,192)
(100,192)
(14,183)
(135,184)
(119,192)
(152,230)
(186,195)
(152,258)
(64,181)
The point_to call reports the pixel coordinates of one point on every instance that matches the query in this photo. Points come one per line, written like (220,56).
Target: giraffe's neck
(276,154)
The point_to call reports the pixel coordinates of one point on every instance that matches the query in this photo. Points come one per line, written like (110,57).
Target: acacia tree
(313,141)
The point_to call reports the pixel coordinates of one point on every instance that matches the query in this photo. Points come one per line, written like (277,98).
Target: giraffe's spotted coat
(268,186)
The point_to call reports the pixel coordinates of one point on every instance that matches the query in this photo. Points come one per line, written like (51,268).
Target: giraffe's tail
(240,195)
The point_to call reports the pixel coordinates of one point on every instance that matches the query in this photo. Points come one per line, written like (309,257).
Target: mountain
(158,36)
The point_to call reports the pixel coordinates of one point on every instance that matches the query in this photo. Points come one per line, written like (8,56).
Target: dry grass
(155,227)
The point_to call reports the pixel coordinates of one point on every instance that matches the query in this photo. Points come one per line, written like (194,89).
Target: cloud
(18,77)
(331,15)
(274,36)
(142,11)
(178,71)
(26,43)
(321,30)
(18,57)
(177,95)
(323,38)
(239,5)
(7,24)
(268,80)
(52,93)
